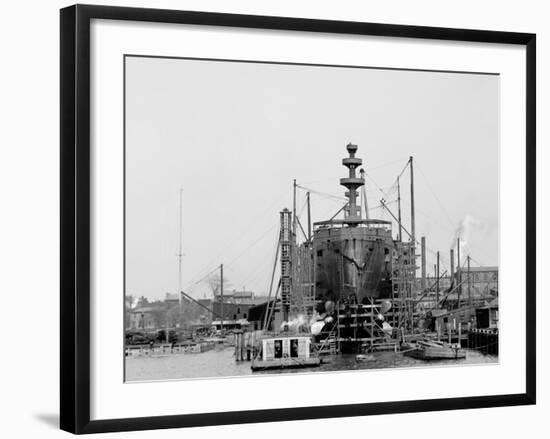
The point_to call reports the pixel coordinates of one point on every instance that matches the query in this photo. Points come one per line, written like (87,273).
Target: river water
(221,363)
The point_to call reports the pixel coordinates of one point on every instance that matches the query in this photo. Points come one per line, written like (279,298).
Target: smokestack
(458,271)
(423,257)
(452,264)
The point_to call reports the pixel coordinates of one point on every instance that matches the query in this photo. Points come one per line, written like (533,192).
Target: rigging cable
(435,196)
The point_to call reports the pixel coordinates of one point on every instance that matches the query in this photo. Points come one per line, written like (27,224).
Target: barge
(284,352)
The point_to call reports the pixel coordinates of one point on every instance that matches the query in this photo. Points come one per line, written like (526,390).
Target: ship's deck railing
(370,224)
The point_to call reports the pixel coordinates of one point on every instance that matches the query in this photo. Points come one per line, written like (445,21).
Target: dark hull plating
(352,263)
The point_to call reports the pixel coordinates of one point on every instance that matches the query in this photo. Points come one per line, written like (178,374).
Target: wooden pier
(484,340)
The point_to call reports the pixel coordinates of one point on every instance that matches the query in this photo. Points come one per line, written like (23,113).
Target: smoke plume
(464,231)
(299,322)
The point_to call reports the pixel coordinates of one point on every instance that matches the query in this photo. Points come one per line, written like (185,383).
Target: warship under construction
(346,273)
(352,255)
(350,284)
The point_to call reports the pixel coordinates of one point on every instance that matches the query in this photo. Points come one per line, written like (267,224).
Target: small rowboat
(434,350)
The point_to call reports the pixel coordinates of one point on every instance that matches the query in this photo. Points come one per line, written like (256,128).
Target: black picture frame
(75,217)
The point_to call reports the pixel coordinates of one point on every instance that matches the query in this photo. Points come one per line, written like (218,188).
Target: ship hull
(352,263)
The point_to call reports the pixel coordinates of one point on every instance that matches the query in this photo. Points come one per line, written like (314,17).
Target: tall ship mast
(352,256)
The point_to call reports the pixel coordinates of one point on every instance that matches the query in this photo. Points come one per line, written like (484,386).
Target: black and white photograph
(274,219)
(297,218)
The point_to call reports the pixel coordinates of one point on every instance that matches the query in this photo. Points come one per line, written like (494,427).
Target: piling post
(338,347)
(459,334)
(371,322)
(238,346)
(241,344)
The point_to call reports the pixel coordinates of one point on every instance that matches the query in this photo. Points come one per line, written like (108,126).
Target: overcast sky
(234,135)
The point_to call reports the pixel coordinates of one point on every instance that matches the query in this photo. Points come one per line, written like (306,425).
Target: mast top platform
(352,212)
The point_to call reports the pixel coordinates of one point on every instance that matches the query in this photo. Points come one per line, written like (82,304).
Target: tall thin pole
(452,265)
(399,210)
(294,234)
(308,218)
(413,228)
(458,272)
(412,257)
(180,256)
(272,308)
(293,245)
(469,285)
(264,327)
(364,195)
(423,262)
(221,297)
(437,276)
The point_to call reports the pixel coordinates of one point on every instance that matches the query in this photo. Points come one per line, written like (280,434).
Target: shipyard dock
(351,291)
